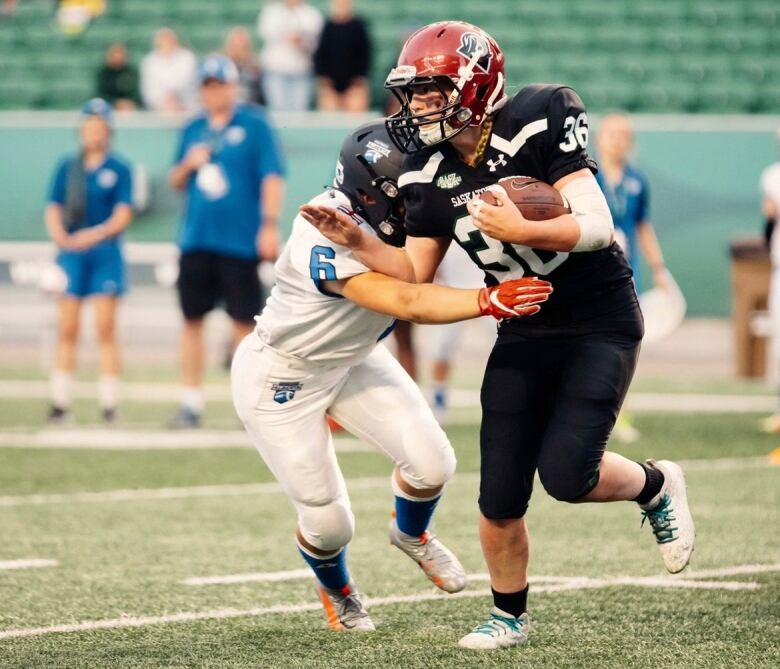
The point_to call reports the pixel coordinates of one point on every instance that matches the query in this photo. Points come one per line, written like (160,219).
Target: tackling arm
(429,303)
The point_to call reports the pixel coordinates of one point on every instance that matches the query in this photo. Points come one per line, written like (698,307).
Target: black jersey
(541,132)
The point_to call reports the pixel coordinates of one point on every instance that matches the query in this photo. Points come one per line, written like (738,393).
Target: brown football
(536,200)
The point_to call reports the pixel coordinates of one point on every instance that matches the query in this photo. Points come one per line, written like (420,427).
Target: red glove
(510,299)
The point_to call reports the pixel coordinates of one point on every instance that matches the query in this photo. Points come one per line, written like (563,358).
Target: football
(536,200)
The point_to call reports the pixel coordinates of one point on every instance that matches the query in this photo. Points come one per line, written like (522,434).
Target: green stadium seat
(601,97)
(718,12)
(670,96)
(715,97)
(742,39)
(621,39)
(762,14)
(768,99)
(19,93)
(656,13)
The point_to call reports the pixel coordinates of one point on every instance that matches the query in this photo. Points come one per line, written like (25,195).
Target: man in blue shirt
(628,195)
(89,206)
(230,168)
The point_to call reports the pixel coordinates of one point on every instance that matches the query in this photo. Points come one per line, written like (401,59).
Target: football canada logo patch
(284,391)
(447,181)
(471,44)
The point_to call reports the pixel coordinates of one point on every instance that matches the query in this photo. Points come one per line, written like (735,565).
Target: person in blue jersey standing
(628,195)
(89,206)
(231,169)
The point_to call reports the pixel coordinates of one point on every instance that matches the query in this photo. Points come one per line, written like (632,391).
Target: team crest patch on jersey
(284,391)
(448,181)
(471,44)
(107,178)
(235,135)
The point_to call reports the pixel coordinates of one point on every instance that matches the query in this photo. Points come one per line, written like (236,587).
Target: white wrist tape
(590,209)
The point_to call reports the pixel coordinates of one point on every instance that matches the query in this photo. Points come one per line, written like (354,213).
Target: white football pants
(375,400)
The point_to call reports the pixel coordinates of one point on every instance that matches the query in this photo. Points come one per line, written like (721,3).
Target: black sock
(513,603)
(654,481)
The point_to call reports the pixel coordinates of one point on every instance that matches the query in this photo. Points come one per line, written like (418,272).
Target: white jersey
(301,318)
(770,187)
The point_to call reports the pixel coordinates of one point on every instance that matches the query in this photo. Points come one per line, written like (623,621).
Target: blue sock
(413,517)
(331,571)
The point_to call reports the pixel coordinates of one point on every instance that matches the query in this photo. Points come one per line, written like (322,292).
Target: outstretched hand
(337,226)
(517,297)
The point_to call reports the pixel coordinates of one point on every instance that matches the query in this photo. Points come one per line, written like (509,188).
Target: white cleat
(436,560)
(670,518)
(344,609)
(499,631)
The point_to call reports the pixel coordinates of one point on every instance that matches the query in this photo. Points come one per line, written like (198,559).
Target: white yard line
(238,489)
(32,563)
(459,397)
(687,580)
(566,583)
(143,440)
(255,577)
(733,571)
(183,492)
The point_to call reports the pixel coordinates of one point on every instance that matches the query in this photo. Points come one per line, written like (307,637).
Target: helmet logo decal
(376,150)
(472,44)
(339,180)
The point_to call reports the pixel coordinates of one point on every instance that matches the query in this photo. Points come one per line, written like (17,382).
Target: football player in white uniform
(314,353)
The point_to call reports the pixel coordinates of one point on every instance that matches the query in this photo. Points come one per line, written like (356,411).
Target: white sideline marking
(568,583)
(237,489)
(145,440)
(733,571)
(687,580)
(183,492)
(33,563)
(256,577)
(459,397)
(222,614)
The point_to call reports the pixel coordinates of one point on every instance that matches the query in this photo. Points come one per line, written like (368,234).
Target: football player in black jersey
(555,381)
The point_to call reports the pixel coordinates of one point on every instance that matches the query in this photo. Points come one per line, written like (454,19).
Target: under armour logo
(498,162)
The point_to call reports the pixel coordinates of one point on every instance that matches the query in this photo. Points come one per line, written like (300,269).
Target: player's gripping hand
(518,297)
(334,224)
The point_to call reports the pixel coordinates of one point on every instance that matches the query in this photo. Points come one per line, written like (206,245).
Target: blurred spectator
(770,206)
(342,60)
(628,196)
(238,47)
(290,31)
(169,75)
(89,206)
(8,8)
(230,168)
(73,16)
(117,79)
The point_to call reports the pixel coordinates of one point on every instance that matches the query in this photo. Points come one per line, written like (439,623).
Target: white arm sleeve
(589,207)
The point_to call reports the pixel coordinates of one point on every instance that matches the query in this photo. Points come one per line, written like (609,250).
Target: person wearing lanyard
(230,168)
(628,196)
(89,206)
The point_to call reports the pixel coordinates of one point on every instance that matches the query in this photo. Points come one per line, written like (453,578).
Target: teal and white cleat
(344,609)
(499,631)
(436,560)
(670,518)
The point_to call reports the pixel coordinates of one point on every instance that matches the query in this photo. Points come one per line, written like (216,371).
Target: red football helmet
(464,63)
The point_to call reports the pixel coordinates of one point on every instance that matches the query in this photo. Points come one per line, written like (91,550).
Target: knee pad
(430,461)
(328,527)
(567,481)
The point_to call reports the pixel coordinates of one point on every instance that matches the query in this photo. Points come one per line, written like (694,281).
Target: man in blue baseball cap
(89,206)
(231,170)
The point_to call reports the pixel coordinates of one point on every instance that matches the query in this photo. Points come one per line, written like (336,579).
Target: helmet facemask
(381,206)
(412,132)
